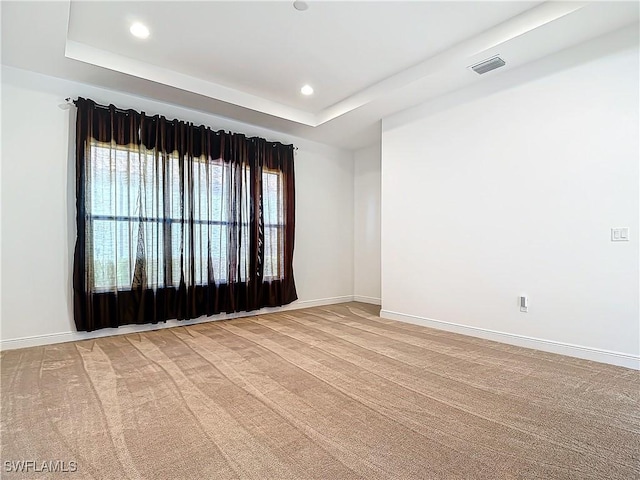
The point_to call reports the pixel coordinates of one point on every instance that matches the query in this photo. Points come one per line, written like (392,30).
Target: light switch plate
(620,234)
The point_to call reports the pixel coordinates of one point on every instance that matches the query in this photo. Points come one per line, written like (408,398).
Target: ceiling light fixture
(139,30)
(306,90)
(300,5)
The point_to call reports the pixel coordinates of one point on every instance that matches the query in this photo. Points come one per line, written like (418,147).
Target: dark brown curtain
(177,221)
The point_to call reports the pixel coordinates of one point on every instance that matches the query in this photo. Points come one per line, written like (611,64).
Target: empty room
(320,240)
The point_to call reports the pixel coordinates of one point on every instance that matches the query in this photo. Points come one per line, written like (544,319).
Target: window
(127,197)
(273,224)
(177,221)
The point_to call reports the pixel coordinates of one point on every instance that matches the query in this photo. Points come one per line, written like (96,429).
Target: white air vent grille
(488,65)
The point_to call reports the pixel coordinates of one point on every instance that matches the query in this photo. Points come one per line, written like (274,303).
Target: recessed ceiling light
(306,90)
(300,5)
(139,30)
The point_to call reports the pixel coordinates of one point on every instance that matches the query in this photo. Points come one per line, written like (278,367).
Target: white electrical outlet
(524,303)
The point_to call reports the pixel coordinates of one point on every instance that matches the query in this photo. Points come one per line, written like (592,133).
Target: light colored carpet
(326,393)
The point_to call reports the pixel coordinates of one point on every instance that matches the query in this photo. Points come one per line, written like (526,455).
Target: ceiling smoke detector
(488,65)
(300,5)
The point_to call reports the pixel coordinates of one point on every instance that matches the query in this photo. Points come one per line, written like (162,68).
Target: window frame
(223,280)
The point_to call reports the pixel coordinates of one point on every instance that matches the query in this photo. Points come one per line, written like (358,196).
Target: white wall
(511,187)
(366,216)
(38,207)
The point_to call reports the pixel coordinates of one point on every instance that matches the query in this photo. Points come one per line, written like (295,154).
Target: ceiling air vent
(488,65)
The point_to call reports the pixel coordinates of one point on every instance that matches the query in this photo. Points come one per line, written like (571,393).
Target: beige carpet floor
(322,393)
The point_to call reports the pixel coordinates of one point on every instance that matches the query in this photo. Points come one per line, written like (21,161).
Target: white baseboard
(51,338)
(571,350)
(312,303)
(365,299)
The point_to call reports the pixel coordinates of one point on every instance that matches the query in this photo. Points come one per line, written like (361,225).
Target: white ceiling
(248,60)
(270,49)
